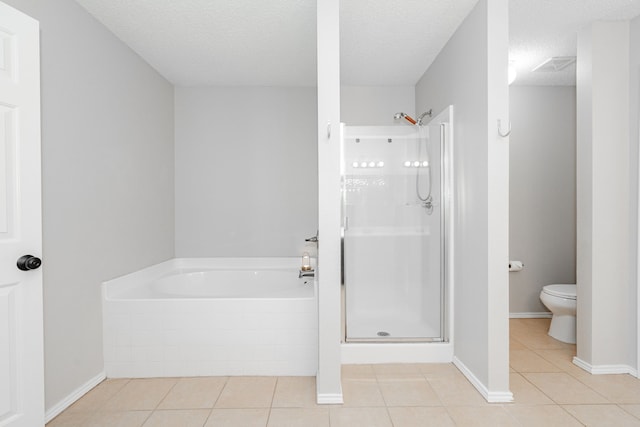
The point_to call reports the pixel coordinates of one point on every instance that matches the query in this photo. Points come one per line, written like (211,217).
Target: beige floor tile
(98,396)
(359,417)
(457,392)
(542,415)
(529,325)
(238,417)
(295,392)
(617,388)
(564,389)
(358,372)
(247,392)
(602,415)
(542,341)
(194,393)
(415,416)
(178,418)
(489,416)
(396,368)
(362,392)
(299,417)
(525,393)
(632,409)
(440,370)
(119,419)
(140,394)
(563,359)
(71,419)
(529,361)
(514,344)
(407,390)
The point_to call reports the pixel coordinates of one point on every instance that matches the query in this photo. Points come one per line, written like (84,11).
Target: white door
(21,343)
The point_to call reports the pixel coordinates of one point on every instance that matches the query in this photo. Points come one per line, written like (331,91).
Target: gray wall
(107,160)
(603,195)
(376,105)
(542,197)
(634,141)
(480,195)
(246,167)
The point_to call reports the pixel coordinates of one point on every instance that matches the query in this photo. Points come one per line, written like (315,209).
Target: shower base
(391,328)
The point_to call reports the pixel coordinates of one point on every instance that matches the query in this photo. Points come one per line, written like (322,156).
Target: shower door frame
(444,121)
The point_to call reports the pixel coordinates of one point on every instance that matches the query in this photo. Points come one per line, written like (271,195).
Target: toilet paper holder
(516,265)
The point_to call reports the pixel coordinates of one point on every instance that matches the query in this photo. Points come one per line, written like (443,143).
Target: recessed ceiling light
(556,63)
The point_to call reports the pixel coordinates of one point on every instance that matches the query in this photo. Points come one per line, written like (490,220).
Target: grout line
(226,381)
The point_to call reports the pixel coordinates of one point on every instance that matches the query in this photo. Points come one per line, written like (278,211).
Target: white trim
(57,409)
(637,370)
(359,353)
(604,369)
(531,315)
(490,396)
(330,398)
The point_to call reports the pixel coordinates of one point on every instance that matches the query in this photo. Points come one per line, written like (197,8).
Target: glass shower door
(393,233)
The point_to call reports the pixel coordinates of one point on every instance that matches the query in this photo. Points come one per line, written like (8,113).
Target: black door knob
(29,262)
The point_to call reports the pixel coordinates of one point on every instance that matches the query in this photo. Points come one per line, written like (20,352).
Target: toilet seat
(562,291)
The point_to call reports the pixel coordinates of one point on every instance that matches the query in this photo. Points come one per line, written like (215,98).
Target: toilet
(561,301)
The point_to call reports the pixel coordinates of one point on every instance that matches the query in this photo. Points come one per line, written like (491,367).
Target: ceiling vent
(555,64)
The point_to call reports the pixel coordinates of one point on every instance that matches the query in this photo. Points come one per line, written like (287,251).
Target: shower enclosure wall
(395,210)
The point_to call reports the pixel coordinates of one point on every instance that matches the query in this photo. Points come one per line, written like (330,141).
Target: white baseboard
(330,399)
(56,409)
(605,369)
(531,315)
(490,396)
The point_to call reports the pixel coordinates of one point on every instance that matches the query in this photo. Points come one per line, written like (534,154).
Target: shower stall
(396,230)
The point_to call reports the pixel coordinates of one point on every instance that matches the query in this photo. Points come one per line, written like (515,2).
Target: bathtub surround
(542,196)
(107,174)
(211,316)
(246,170)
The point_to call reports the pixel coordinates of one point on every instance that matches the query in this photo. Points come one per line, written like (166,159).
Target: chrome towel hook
(504,135)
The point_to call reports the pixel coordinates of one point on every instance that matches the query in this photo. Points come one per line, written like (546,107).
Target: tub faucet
(306,273)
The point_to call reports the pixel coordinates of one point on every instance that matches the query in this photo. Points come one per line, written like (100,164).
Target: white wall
(603,197)
(470,73)
(328,137)
(542,197)
(376,105)
(107,159)
(246,170)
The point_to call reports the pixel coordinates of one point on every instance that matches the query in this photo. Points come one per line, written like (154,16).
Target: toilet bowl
(561,301)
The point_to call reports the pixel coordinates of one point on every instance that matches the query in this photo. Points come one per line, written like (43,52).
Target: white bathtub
(213,316)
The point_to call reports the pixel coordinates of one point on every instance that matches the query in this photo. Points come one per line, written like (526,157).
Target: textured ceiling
(540,29)
(390,42)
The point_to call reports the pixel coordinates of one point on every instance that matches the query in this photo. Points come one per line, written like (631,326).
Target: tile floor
(549,391)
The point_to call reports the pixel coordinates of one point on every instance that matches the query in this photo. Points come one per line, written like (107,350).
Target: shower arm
(428,113)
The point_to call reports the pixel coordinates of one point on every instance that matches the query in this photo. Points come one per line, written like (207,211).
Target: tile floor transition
(549,391)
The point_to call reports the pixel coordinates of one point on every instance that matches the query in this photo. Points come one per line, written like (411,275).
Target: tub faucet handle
(313,239)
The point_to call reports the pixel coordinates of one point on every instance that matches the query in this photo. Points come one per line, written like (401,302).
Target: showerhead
(398,116)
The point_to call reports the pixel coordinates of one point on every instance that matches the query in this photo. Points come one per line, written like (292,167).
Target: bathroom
(108,200)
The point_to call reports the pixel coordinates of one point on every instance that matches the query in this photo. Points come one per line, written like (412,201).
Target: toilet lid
(562,291)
